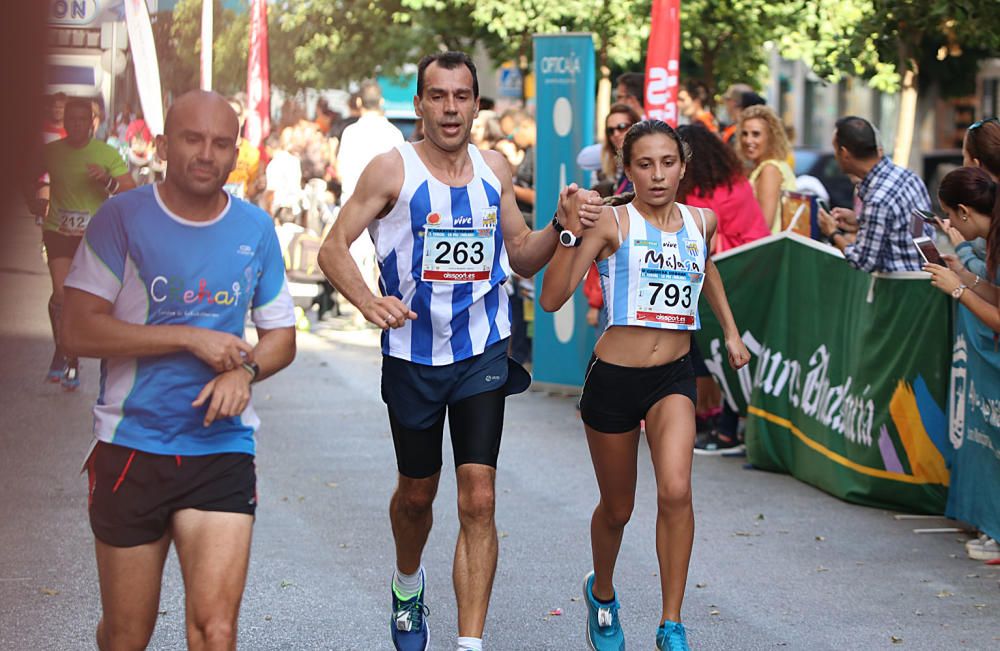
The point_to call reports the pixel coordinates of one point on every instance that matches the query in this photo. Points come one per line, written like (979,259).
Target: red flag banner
(663,62)
(258,125)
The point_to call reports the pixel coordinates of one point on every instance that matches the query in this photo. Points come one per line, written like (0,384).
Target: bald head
(201,103)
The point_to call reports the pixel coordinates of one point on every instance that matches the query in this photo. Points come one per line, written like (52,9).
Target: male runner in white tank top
(448,233)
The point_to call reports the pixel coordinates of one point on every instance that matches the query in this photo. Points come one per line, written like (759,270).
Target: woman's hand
(739,356)
(943,278)
(949,230)
(953,262)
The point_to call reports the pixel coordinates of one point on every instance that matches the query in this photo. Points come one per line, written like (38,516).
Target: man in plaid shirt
(888,193)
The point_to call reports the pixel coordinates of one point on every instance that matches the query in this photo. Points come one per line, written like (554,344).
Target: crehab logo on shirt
(162,289)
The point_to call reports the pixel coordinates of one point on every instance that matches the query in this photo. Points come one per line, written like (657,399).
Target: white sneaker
(983,548)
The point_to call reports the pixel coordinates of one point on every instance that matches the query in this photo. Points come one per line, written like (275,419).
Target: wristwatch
(566,237)
(958,291)
(252,368)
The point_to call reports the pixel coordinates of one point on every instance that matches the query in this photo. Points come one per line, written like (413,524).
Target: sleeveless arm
(376,192)
(570,265)
(767,188)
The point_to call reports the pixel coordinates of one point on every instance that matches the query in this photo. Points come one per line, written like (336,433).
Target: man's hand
(846,219)
(827,223)
(220,350)
(578,207)
(229,393)
(739,356)
(386,312)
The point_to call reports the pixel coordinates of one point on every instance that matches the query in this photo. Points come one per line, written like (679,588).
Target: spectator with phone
(888,195)
(981,149)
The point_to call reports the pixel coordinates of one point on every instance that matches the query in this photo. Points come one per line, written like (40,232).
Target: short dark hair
(634,83)
(370,94)
(449,61)
(79,104)
(697,90)
(751,99)
(857,136)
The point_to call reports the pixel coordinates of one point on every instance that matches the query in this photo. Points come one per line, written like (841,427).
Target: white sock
(407,586)
(470,644)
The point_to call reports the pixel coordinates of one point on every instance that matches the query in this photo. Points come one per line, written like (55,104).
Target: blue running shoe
(671,637)
(604,631)
(408,624)
(70,379)
(56,370)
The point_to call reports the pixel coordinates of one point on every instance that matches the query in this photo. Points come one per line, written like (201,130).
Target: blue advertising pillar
(564,81)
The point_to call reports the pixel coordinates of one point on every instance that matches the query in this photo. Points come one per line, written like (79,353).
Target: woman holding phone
(652,257)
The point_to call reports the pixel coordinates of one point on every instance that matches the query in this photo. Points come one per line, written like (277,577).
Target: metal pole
(112,114)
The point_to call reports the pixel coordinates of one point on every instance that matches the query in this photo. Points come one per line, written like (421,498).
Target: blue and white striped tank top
(456,288)
(654,279)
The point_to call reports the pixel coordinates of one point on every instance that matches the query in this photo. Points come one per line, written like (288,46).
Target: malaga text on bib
(73,222)
(458,255)
(668,295)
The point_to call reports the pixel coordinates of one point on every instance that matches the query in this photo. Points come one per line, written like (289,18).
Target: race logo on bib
(490,217)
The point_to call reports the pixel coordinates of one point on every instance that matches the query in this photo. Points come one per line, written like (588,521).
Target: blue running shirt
(456,319)
(157,268)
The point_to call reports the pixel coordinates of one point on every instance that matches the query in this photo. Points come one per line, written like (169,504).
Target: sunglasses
(620,127)
(979,123)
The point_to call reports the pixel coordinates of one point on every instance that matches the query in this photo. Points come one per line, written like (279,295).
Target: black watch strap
(555,223)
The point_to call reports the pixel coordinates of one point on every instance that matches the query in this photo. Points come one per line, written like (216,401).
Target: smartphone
(926,215)
(823,205)
(928,251)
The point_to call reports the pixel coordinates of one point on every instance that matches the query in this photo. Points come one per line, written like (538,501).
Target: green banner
(849,376)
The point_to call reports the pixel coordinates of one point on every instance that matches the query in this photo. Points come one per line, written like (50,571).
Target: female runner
(652,257)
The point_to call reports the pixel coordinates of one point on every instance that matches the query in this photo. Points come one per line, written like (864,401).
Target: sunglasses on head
(979,123)
(621,126)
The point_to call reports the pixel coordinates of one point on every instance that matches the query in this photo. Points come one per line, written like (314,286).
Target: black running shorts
(615,398)
(133,494)
(471,392)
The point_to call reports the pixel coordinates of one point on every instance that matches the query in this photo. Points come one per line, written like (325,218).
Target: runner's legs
(614,457)
(130,593)
(411,514)
(213,548)
(670,431)
(58,270)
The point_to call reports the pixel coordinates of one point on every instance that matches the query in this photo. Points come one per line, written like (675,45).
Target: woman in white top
(652,258)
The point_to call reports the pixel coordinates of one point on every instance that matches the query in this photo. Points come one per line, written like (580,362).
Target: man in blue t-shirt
(160,291)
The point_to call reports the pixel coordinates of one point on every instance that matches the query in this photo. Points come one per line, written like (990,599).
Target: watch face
(957,292)
(567,238)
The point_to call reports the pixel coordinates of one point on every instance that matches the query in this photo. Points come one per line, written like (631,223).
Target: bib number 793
(671,294)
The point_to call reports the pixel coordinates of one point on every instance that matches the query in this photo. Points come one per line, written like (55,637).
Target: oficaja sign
(847,389)
(975,425)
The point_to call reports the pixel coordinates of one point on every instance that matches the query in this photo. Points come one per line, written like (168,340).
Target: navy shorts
(470,392)
(615,398)
(133,494)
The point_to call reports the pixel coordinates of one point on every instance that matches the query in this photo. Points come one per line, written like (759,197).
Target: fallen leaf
(555,612)
(820,538)
(343,545)
(574,598)
(896,640)
(267,618)
(502,534)
(714,612)
(700,585)
(49,592)
(972,576)
(945,593)
(760,516)
(285,583)
(742,533)
(918,613)
(822,569)
(332,484)
(980,606)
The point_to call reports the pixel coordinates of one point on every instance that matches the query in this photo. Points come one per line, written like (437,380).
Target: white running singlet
(440,251)
(655,278)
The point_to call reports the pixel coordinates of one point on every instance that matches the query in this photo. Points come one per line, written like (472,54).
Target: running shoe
(56,371)
(604,631)
(671,637)
(983,548)
(715,443)
(70,379)
(408,624)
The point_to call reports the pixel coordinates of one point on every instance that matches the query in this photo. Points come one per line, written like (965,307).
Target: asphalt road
(776,564)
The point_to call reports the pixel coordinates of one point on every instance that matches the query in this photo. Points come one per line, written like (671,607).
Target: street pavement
(776,563)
